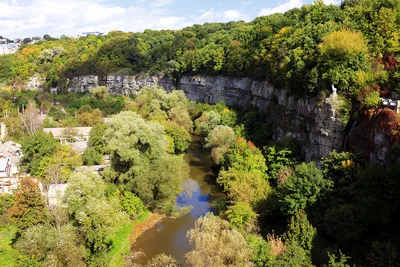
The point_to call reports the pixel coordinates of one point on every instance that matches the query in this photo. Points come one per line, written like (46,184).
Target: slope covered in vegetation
(354,46)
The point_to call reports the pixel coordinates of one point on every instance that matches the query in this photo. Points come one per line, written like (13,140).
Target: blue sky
(23,18)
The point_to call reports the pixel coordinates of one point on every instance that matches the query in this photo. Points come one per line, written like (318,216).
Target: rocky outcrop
(316,127)
(34,83)
(117,85)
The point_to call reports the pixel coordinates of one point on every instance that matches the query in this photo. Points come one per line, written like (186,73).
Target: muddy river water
(169,235)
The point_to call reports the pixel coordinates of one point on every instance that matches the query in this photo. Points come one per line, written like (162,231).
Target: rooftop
(60,132)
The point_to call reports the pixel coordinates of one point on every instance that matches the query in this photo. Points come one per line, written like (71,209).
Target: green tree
(92,157)
(342,260)
(132,205)
(244,186)
(293,255)
(52,246)
(60,165)
(301,232)
(6,202)
(242,217)
(36,147)
(96,139)
(216,244)
(94,215)
(302,188)
(180,136)
(139,150)
(277,160)
(207,122)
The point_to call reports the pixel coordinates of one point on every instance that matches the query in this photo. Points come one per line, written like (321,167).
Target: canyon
(313,123)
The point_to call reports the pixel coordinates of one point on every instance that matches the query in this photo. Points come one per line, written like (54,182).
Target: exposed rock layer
(316,127)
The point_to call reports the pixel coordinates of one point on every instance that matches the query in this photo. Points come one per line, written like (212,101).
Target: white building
(12,152)
(76,137)
(10,48)
(5,167)
(86,34)
(392,104)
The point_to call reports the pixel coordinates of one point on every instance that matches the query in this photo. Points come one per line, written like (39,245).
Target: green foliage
(8,254)
(339,167)
(6,202)
(35,148)
(372,100)
(47,244)
(100,92)
(261,251)
(207,122)
(302,188)
(60,165)
(341,260)
(29,208)
(215,243)
(301,232)
(293,255)
(89,209)
(96,139)
(242,217)
(244,155)
(139,152)
(383,254)
(181,137)
(132,205)
(92,157)
(244,186)
(219,140)
(277,160)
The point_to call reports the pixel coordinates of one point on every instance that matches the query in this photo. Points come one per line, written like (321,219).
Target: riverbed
(169,235)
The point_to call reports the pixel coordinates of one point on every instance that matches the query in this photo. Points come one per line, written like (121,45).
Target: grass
(122,243)
(8,255)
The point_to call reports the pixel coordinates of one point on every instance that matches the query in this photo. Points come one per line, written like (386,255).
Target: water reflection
(169,235)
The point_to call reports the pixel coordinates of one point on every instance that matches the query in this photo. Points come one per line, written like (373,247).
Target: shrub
(372,100)
(92,157)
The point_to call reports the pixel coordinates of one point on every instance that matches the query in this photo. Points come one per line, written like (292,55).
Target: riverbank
(144,225)
(123,238)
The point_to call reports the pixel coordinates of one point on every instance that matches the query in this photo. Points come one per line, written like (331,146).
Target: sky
(28,18)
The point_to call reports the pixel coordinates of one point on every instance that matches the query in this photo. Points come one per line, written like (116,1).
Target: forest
(277,209)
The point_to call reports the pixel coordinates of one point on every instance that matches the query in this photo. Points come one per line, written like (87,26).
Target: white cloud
(281,8)
(245,3)
(158,3)
(231,14)
(333,2)
(71,17)
(212,15)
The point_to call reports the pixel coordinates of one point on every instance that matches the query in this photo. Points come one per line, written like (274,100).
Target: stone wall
(316,127)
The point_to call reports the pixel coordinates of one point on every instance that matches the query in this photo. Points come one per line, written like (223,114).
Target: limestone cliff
(316,127)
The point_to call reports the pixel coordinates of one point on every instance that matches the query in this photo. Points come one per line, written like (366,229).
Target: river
(169,235)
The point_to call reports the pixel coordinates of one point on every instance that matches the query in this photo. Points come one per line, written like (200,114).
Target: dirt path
(141,227)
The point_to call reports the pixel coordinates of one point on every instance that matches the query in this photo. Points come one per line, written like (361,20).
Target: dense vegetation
(277,210)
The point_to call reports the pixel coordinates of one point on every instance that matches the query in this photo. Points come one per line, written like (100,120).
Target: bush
(132,205)
(92,157)
(372,100)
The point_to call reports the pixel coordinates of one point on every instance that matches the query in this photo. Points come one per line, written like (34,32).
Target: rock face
(316,127)
(34,83)
(117,85)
